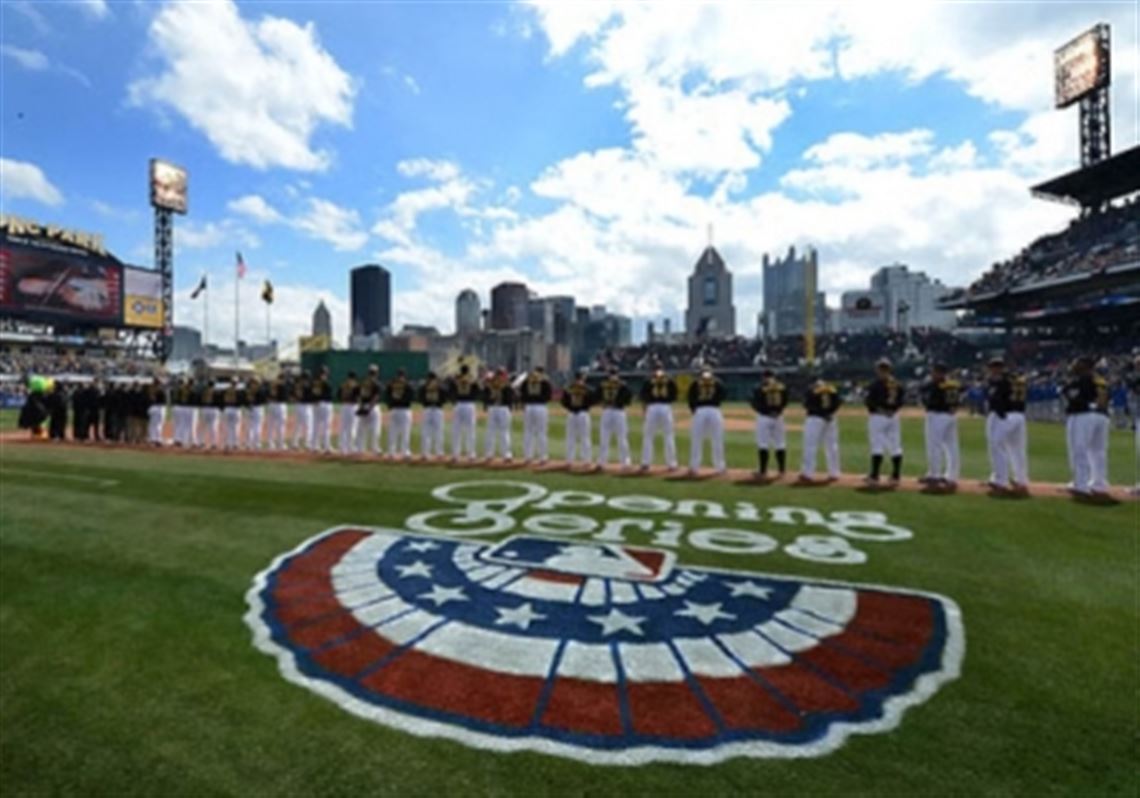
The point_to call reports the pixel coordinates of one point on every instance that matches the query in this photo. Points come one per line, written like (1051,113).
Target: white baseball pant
(997,441)
(536,426)
(771,433)
(1089,451)
(347,430)
(368,428)
(884,434)
(614,424)
(708,423)
(816,431)
(658,419)
(578,437)
(156,419)
(400,432)
(275,432)
(1017,440)
(463,430)
(191,426)
(322,426)
(498,433)
(253,426)
(302,426)
(431,432)
(209,432)
(232,418)
(942,454)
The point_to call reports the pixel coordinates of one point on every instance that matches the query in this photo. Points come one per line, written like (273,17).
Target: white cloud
(28,59)
(438,170)
(23,180)
(191,234)
(256,208)
(327,221)
(257,90)
(860,151)
(96,9)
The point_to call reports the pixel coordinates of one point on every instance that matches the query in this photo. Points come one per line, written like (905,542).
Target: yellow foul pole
(809,310)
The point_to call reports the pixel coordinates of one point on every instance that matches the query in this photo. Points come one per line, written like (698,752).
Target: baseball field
(128,666)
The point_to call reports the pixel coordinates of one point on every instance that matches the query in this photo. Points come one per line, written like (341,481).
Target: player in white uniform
(884,399)
(706,393)
(398,397)
(498,398)
(303,412)
(231,415)
(769,400)
(280,394)
(321,436)
(615,397)
(208,417)
(577,399)
(432,396)
(463,390)
(156,413)
(658,394)
(1000,433)
(256,396)
(535,393)
(821,427)
(1086,403)
(369,420)
(941,396)
(348,394)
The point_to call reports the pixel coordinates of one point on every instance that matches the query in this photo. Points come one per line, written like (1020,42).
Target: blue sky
(581,147)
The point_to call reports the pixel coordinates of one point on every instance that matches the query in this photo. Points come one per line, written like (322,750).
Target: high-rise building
(785,294)
(509,306)
(468,313)
(322,320)
(711,313)
(371,300)
(898,300)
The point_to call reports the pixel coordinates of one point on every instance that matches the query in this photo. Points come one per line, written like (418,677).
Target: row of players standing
(198,412)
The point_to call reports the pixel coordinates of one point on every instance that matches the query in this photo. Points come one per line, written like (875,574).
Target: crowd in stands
(87,364)
(1089,244)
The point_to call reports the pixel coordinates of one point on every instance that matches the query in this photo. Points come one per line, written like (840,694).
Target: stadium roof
(1096,184)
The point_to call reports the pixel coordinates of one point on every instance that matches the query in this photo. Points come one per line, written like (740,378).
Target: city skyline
(544,144)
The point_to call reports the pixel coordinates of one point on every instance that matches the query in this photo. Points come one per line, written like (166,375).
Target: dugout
(341,362)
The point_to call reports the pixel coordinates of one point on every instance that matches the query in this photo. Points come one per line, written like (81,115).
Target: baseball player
(432,395)
(209,415)
(369,420)
(658,394)
(705,396)
(1018,438)
(231,401)
(463,391)
(769,400)
(303,412)
(279,395)
(322,411)
(821,427)
(998,398)
(348,393)
(577,399)
(498,396)
(615,397)
(156,412)
(884,398)
(256,395)
(1086,405)
(193,405)
(941,396)
(1135,410)
(398,397)
(536,394)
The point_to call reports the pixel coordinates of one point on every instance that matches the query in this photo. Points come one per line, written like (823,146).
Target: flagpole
(206,320)
(237,316)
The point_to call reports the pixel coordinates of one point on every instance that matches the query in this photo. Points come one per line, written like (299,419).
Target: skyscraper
(785,293)
(371,300)
(322,321)
(468,313)
(711,312)
(509,305)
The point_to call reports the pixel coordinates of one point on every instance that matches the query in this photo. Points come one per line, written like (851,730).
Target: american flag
(240,266)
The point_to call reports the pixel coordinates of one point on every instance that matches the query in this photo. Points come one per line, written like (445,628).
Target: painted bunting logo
(601,652)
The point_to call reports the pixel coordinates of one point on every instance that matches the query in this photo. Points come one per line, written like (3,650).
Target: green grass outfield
(126,667)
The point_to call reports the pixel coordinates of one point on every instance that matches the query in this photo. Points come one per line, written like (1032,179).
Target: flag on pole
(240,267)
(267,293)
(201,287)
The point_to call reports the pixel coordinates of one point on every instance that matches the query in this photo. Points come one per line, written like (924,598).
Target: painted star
(705,613)
(418,568)
(521,616)
(749,589)
(617,621)
(421,546)
(441,595)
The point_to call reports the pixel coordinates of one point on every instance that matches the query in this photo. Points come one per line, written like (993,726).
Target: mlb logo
(607,654)
(583,558)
